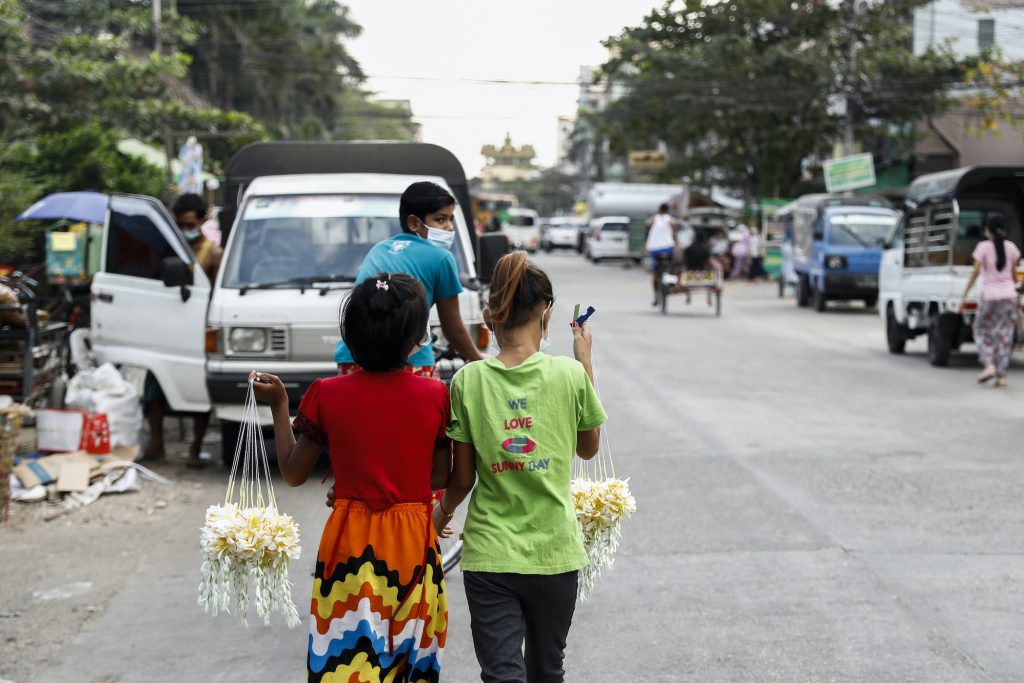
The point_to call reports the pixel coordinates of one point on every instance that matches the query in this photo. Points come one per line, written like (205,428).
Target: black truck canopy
(947,185)
(291,158)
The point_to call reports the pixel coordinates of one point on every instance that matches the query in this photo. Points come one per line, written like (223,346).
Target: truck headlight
(835,262)
(247,340)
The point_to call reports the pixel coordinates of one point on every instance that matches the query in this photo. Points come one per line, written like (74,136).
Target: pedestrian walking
(426,212)
(517,421)
(661,246)
(190,213)
(740,252)
(379,600)
(757,271)
(995,259)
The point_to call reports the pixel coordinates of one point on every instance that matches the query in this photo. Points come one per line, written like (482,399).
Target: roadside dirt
(56,573)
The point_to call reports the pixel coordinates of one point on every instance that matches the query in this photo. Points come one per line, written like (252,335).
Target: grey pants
(508,610)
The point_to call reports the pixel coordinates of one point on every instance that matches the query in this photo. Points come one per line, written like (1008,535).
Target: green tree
(743,91)
(286,63)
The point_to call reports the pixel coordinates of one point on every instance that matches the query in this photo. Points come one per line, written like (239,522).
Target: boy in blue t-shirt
(427,214)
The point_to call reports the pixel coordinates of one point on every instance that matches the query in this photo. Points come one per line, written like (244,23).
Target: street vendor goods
(247,536)
(602,502)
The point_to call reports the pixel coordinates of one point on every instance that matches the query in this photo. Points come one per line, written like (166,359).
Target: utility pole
(168,138)
(851,71)
(157,17)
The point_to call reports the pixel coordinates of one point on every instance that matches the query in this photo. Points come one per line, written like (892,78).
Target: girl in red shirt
(379,599)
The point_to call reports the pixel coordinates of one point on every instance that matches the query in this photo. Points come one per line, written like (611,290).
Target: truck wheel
(803,292)
(895,334)
(820,302)
(940,342)
(229,432)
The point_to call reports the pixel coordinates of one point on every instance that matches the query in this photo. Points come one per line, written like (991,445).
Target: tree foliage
(743,91)
(286,63)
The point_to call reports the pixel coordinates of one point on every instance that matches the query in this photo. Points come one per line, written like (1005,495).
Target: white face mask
(545,342)
(442,239)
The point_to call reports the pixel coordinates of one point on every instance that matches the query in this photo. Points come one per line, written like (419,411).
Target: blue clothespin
(586,316)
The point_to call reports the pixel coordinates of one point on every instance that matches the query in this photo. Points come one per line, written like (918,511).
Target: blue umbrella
(90,207)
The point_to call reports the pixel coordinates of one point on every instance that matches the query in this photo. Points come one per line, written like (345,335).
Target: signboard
(648,161)
(849,173)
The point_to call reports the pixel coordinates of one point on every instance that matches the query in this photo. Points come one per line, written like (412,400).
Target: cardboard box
(50,469)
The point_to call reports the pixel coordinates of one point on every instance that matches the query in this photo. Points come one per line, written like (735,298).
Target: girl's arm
(295,459)
(463,476)
(442,469)
(971,280)
(588,443)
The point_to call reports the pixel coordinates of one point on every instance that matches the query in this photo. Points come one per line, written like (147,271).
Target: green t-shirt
(522,423)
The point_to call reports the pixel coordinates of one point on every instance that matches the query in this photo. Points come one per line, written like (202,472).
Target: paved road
(811,509)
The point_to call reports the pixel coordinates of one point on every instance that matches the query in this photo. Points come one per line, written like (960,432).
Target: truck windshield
(862,230)
(288,239)
(521,221)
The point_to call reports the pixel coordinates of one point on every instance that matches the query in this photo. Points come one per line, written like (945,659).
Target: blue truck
(836,246)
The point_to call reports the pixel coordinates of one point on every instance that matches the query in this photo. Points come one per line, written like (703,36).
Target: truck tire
(803,292)
(895,334)
(820,302)
(940,341)
(229,432)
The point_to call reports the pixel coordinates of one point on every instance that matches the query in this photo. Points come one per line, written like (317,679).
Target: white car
(522,227)
(561,233)
(609,238)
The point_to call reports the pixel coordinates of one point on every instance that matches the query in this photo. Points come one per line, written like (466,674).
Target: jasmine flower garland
(250,538)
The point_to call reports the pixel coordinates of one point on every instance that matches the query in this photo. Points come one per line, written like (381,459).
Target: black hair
(996,226)
(421,199)
(663,208)
(381,316)
(190,202)
(517,288)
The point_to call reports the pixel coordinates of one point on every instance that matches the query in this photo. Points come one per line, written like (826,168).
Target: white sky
(459,41)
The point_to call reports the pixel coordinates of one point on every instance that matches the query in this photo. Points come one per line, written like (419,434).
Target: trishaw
(690,281)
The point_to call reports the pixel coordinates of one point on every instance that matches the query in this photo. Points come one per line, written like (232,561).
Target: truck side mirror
(175,273)
(492,247)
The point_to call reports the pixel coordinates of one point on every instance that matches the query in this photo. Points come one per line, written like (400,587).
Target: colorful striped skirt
(379,611)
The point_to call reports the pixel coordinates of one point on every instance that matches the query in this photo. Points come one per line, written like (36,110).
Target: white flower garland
(601,508)
(602,503)
(249,538)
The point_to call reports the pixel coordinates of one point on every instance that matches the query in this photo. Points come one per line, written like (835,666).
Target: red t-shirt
(381,429)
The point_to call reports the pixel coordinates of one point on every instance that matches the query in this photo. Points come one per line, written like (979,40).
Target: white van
(296,235)
(522,227)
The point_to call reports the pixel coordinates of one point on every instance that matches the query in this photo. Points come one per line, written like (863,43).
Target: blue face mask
(442,239)
(192,235)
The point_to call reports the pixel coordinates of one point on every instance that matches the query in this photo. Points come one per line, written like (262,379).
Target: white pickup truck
(927,263)
(298,220)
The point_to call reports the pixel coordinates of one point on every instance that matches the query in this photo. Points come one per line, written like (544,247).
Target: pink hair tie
(382,285)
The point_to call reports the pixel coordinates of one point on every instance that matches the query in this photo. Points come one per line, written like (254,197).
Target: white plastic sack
(104,390)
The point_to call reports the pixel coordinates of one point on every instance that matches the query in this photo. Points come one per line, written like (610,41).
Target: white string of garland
(248,537)
(602,502)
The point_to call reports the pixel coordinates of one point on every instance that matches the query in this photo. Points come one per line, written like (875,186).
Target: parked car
(522,227)
(562,232)
(928,260)
(608,238)
(837,247)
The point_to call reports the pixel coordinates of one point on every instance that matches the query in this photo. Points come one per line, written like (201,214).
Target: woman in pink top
(996,260)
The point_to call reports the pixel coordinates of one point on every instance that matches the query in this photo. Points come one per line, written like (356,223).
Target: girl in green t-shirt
(517,420)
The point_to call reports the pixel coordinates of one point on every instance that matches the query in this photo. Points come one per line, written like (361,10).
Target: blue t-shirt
(432,266)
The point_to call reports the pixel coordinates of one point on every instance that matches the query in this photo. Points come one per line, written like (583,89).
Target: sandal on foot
(1000,383)
(986,375)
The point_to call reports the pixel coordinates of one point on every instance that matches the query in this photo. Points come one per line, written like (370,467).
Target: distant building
(971,26)
(563,145)
(508,163)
